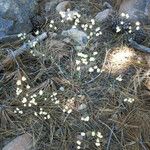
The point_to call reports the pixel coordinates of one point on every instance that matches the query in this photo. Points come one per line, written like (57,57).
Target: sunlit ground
(119,59)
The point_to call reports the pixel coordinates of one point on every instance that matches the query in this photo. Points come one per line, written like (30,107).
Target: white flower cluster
(69,105)
(137,24)
(84,59)
(32,44)
(45,114)
(76,22)
(90,25)
(118,27)
(19,83)
(79,144)
(96,32)
(17,110)
(52,26)
(22,36)
(18,91)
(32,101)
(98,135)
(124,15)
(26,100)
(122,22)
(92,69)
(130,100)
(70,16)
(75,16)
(67,109)
(29,101)
(86,119)
(54,98)
(119,78)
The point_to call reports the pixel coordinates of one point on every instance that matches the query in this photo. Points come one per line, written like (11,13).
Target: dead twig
(110,137)
(139,47)
(24,48)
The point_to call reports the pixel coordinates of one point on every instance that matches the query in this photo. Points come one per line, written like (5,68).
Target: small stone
(63,6)
(78,36)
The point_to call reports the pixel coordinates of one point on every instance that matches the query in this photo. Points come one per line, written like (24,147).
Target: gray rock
(137,9)
(15,16)
(78,36)
(50,6)
(103,15)
(23,142)
(63,6)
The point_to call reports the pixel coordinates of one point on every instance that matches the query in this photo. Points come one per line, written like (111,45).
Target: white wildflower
(79,142)
(91,69)
(137,28)
(18,82)
(23,78)
(99,135)
(24,100)
(137,23)
(93,133)
(48,116)
(82,134)
(28,87)
(127,16)
(78,68)
(92,59)
(118,29)
(95,53)
(41,92)
(123,14)
(97,144)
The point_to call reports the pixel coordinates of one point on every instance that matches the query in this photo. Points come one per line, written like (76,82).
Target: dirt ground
(67,96)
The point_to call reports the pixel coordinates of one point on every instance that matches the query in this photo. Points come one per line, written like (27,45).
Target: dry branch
(139,47)
(24,48)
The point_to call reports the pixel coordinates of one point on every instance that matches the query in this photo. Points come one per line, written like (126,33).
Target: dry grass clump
(63,107)
(119,59)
